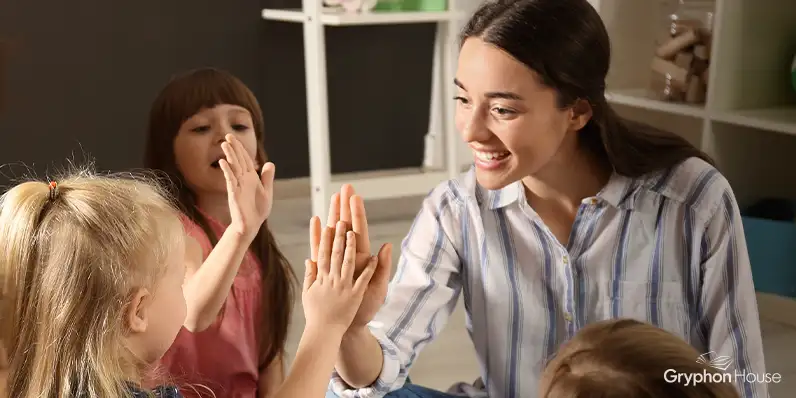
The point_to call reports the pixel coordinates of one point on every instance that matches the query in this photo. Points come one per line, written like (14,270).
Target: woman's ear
(138,311)
(581,113)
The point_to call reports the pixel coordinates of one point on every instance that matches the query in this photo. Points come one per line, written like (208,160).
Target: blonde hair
(73,256)
(626,358)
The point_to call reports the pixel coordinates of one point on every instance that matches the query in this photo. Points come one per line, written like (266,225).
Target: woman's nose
(474,128)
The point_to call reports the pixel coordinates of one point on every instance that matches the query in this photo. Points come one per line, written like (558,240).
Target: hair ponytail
(634,149)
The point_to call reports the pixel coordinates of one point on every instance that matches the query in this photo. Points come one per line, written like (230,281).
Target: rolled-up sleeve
(730,314)
(421,296)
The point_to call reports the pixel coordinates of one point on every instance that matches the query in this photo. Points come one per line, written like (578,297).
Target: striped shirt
(667,249)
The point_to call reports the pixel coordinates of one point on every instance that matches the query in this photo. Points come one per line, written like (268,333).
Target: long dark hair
(182,98)
(567,45)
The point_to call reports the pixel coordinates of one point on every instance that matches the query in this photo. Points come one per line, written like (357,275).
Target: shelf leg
(449,32)
(434,149)
(317,108)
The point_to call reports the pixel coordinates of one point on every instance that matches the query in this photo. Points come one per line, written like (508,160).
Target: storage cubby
(747,123)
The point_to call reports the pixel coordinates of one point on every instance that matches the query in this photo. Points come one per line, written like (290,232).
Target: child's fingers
(246,162)
(364,278)
(231,158)
(325,250)
(229,175)
(349,259)
(310,273)
(338,250)
(315,237)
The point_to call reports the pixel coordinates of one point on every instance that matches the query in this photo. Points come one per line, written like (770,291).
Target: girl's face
(197,146)
(510,120)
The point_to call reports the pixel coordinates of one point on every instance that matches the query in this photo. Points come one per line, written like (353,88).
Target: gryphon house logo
(720,362)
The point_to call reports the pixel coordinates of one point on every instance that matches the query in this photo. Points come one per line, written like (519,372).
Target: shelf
(368,18)
(781,120)
(642,98)
(381,185)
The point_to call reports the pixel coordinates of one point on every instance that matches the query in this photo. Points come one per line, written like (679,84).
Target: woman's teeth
(488,156)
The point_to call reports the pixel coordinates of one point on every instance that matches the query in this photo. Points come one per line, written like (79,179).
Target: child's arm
(272,377)
(250,195)
(207,284)
(331,298)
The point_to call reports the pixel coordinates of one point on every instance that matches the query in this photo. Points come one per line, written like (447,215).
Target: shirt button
(566,260)
(568,317)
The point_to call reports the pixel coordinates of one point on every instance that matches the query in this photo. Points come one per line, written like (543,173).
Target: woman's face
(509,119)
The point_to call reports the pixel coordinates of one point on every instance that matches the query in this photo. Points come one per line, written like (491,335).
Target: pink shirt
(225,356)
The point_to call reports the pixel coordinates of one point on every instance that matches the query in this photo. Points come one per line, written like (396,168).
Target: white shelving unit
(441,128)
(748,122)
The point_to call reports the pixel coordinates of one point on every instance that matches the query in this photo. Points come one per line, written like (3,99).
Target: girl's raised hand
(331,296)
(250,191)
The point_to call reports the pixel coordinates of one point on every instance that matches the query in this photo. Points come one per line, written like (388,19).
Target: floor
(443,362)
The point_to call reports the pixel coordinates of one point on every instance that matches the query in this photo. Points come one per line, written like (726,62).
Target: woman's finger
(315,237)
(334,210)
(349,259)
(310,273)
(338,251)
(346,191)
(229,176)
(359,222)
(231,158)
(325,251)
(363,280)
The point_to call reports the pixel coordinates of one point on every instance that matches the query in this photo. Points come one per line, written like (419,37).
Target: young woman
(569,216)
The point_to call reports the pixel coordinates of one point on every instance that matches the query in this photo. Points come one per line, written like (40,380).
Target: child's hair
(75,251)
(183,97)
(626,358)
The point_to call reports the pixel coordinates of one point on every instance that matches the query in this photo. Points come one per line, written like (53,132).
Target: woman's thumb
(267,174)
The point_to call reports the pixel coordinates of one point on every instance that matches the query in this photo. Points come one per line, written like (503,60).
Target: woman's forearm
(207,288)
(360,359)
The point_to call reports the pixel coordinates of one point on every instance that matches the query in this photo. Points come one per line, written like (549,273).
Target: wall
(84,74)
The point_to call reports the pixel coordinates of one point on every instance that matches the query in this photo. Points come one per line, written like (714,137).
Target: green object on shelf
(412,5)
(793,72)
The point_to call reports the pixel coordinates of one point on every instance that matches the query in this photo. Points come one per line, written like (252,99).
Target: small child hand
(249,191)
(331,296)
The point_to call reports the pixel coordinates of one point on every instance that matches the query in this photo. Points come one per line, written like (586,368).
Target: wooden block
(684,59)
(664,90)
(701,51)
(678,75)
(669,49)
(696,91)
(698,66)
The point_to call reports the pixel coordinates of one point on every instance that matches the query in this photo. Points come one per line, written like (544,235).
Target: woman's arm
(420,300)
(207,283)
(729,305)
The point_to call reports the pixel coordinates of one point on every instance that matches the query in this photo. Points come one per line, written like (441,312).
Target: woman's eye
(461,100)
(200,129)
(240,127)
(503,111)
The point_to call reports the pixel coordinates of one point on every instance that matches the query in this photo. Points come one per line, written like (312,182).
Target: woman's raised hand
(348,208)
(250,192)
(332,294)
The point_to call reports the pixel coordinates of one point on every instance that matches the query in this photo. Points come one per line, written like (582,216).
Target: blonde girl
(238,286)
(626,358)
(90,285)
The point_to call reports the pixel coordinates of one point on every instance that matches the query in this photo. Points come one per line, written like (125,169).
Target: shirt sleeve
(729,305)
(421,296)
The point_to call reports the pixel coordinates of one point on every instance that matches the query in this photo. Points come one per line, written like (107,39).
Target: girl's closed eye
(201,128)
(240,127)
